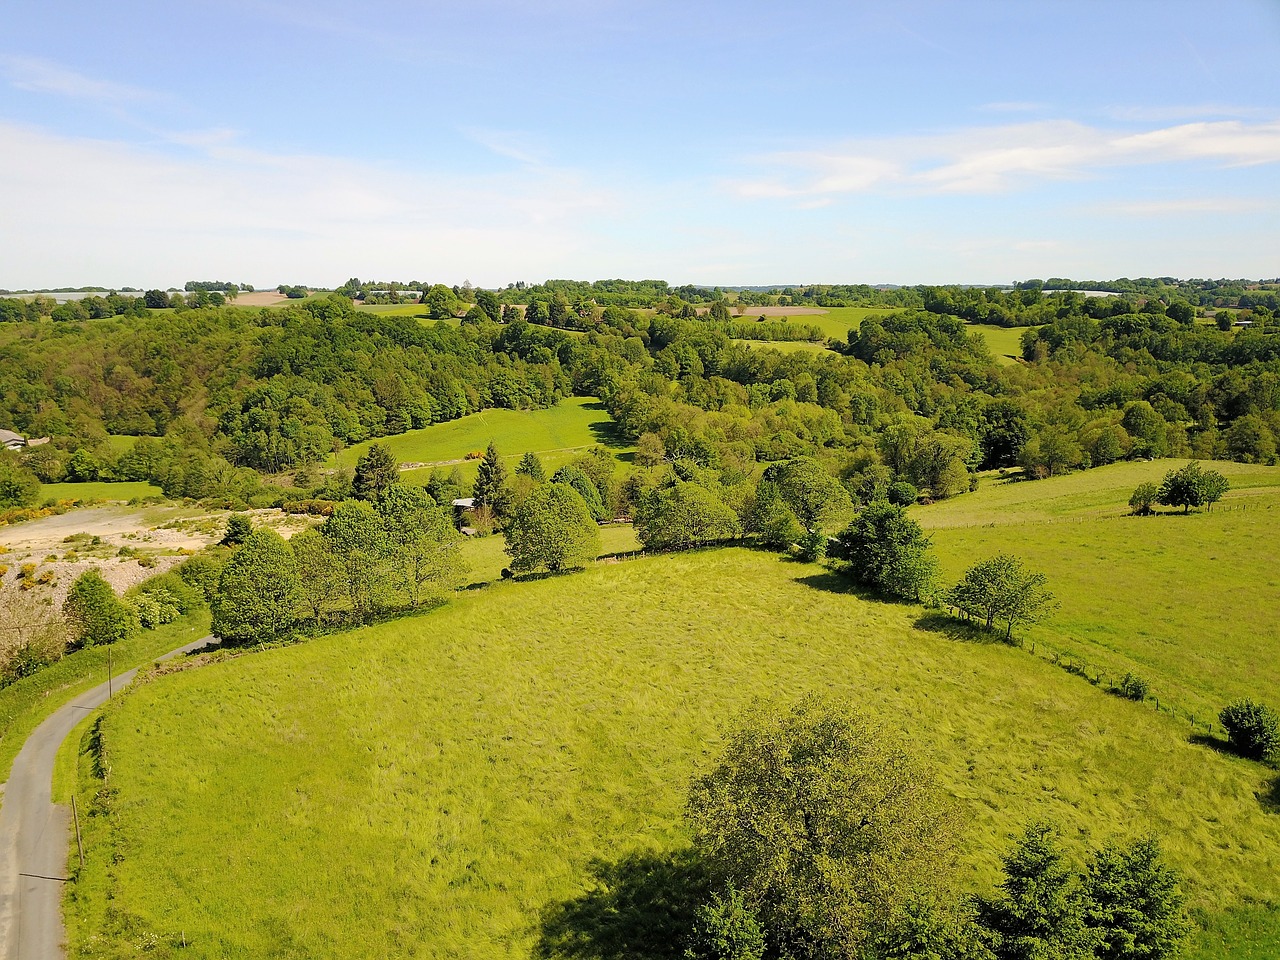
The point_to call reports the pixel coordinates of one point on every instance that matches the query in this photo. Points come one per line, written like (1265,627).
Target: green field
(1004,342)
(439,786)
(126,490)
(1189,602)
(786,346)
(558,434)
(121,444)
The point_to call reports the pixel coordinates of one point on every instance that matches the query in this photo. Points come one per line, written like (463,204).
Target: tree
(813,495)
(422,543)
(376,470)
(18,488)
(1040,913)
(1253,729)
(95,613)
(725,928)
(586,488)
(886,550)
(683,514)
(1192,486)
(552,528)
(530,466)
(33,634)
(1148,429)
(1002,590)
(356,535)
(490,488)
(257,591)
(824,823)
(239,526)
(1133,903)
(321,580)
(155,299)
(1143,497)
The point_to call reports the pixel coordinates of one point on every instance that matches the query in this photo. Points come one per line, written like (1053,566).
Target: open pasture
(1188,602)
(572,426)
(1005,343)
(125,490)
(458,784)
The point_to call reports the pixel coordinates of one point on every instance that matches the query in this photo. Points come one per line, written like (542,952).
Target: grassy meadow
(557,435)
(100,490)
(504,777)
(1005,343)
(1188,602)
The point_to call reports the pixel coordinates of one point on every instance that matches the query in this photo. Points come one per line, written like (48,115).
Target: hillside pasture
(1005,343)
(124,490)
(499,777)
(1188,602)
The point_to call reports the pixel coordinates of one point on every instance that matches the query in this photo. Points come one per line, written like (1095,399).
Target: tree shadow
(641,907)
(962,631)
(1214,743)
(1269,796)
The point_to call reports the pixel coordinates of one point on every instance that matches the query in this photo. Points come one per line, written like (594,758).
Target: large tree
(552,529)
(376,470)
(826,825)
(1133,903)
(422,542)
(1002,590)
(356,535)
(490,490)
(95,613)
(887,550)
(1192,486)
(684,514)
(257,591)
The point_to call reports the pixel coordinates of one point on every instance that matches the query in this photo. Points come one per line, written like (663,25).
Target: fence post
(75,813)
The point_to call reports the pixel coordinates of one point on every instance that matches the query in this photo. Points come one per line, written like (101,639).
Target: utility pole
(108,673)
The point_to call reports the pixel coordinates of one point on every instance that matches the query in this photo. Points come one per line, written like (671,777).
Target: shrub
(1133,687)
(726,929)
(1143,498)
(902,493)
(1253,729)
(238,528)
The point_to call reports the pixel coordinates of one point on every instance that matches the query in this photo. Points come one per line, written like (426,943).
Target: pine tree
(491,483)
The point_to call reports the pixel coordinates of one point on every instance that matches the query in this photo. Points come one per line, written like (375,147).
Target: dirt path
(35,833)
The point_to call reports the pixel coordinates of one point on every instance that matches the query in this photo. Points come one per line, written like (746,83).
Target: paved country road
(35,834)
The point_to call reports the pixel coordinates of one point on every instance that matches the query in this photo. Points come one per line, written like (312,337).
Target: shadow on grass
(831,582)
(1214,743)
(963,631)
(641,906)
(1270,796)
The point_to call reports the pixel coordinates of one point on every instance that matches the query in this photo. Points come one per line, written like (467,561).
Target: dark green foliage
(812,546)
(1133,904)
(18,488)
(1040,914)
(257,591)
(812,494)
(887,551)
(239,526)
(491,490)
(927,930)
(824,823)
(1253,729)
(1133,687)
(902,493)
(571,475)
(1192,486)
(376,470)
(552,529)
(95,613)
(1144,497)
(1001,590)
(682,514)
(530,466)
(726,929)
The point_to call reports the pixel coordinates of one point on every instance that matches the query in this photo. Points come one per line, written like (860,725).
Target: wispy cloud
(36,75)
(512,144)
(997,159)
(1014,106)
(1209,206)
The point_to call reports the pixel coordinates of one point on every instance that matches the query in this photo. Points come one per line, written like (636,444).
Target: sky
(275,141)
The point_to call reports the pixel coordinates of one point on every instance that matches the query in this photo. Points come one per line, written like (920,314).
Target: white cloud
(996,159)
(86,211)
(44,76)
(1209,206)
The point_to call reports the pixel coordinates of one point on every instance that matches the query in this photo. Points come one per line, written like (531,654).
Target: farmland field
(125,490)
(457,784)
(1005,343)
(786,346)
(557,434)
(1188,602)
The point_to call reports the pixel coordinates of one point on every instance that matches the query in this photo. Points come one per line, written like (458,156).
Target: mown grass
(23,705)
(1188,602)
(786,346)
(122,490)
(1005,343)
(452,785)
(573,426)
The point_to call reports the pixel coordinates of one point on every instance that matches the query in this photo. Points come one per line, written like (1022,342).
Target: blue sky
(271,141)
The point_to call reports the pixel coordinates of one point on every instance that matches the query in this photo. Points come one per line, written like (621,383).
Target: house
(12,441)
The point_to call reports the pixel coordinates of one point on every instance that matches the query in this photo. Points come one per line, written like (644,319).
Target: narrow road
(35,833)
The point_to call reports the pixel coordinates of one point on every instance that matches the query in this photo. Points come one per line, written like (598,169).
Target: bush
(1253,729)
(1143,498)
(726,929)
(202,572)
(1133,687)
(902,493)
(238,529)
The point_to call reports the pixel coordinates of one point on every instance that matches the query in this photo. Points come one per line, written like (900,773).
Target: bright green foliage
(1144,497)
(422,542)
(1192,486)
(571,475)
(357,537)
(1253,729)
(203,571)
(1040,914)
(239,526)
(823,821)
(83,467)
(322,579)
(1133,903)
(927,930)
(551,529)
(257,591)
(902,493)
(683,514)
(1148,429)
(772,520)
(530,466)
(1133,687)
(18,488)
(376,470)
(886,550)
(491,483)
(726,929)
(1002,590)
(813,495)
(95,613)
